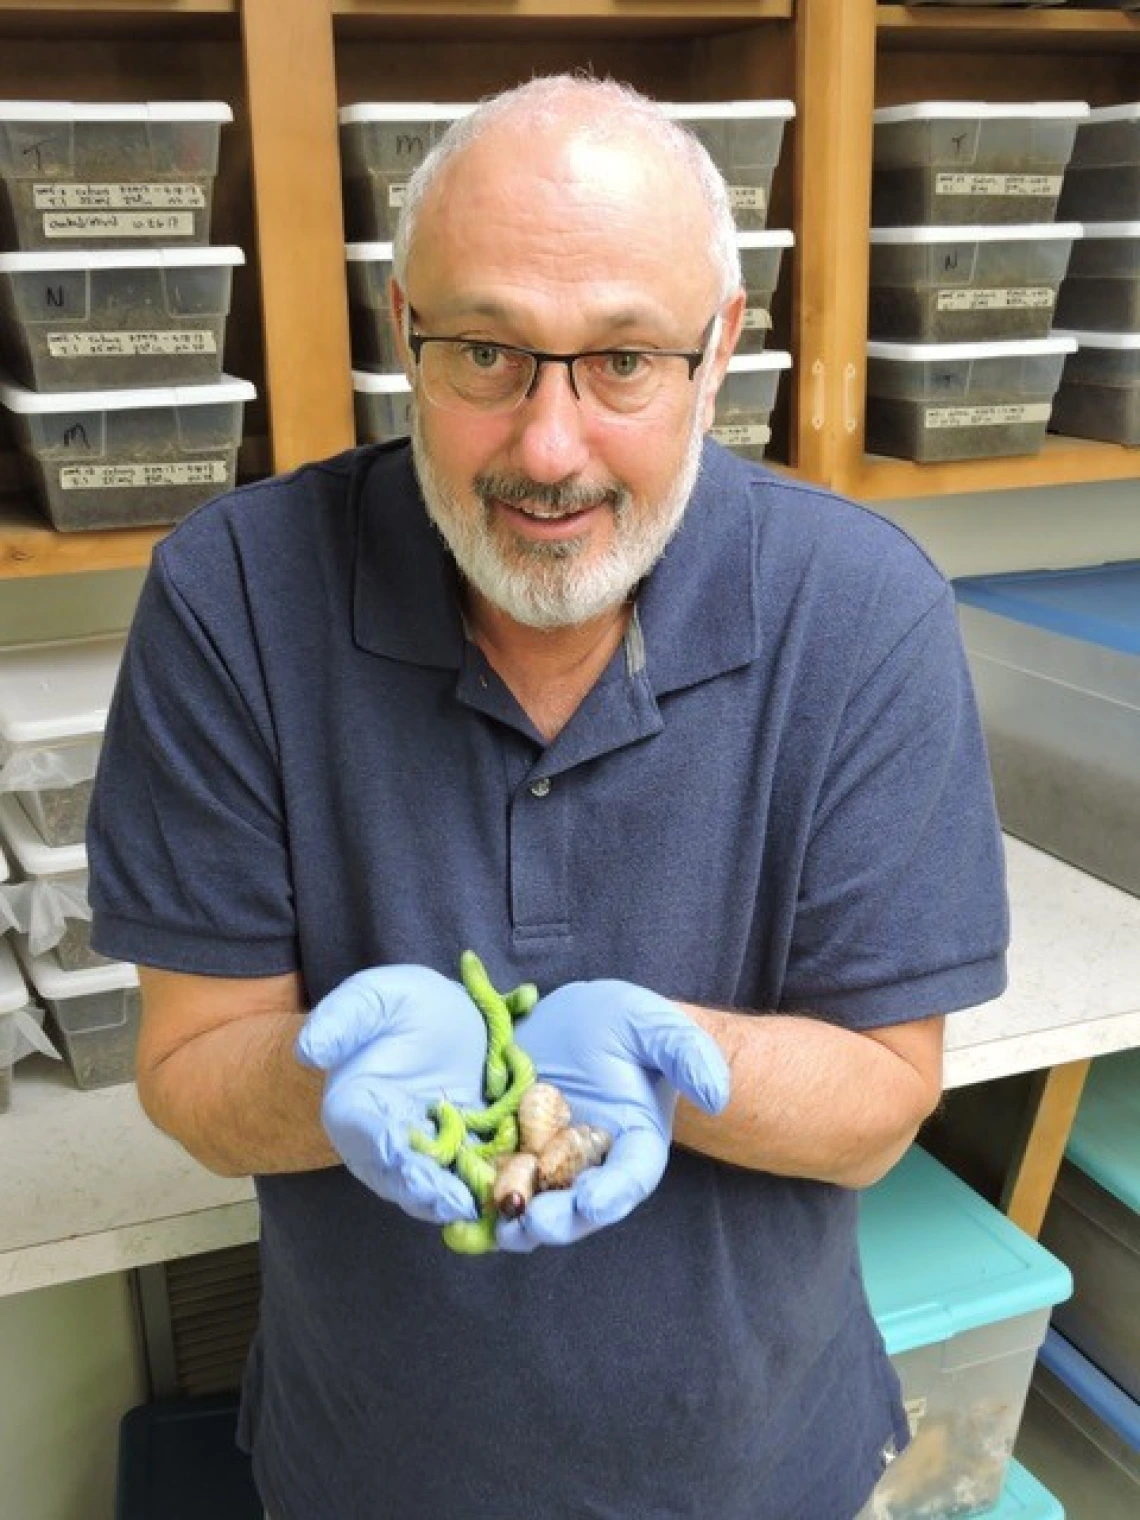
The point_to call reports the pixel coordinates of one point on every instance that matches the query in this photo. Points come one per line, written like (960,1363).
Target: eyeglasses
(470,374)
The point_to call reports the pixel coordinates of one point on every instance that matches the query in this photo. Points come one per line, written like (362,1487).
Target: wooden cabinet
(286,65)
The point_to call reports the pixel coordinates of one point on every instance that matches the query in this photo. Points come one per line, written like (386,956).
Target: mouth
(550,522)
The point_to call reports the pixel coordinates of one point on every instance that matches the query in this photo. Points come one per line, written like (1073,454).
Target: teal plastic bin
(1093,1222)
(962,1298)
(1023,1498)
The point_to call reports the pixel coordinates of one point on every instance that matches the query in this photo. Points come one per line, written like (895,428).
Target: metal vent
(198,1316)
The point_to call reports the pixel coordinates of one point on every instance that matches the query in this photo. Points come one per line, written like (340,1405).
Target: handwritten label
(986,416)
(166,195)
(112,224)
(397,194)
(125,477)
(997,184)
(757,316)
(747,197)
(1016,298)
(121,345)
(733,434)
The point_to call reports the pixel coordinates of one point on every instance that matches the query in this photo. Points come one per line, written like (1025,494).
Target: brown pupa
(571,1151)
(516,1180)
(543,1111)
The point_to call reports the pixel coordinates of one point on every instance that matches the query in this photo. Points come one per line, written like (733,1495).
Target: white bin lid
(13,992)
(126,258)
(1100,339)
(1013,233)
(374,382)
(55,691)
(50,980)
(368,253)
(728,110)
(771,358)
(1129,112)
(982,110)
(1111,230)
(773,238)
(18,398)
(31,854)
(919,353)
(401,110)
(4,872)
(108,110)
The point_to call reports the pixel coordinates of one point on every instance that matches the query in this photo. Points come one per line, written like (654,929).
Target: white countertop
(88,1185)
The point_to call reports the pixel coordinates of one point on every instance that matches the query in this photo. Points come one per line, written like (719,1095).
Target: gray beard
(543,585)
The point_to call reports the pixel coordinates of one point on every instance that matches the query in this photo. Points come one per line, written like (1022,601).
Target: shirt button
(541,787)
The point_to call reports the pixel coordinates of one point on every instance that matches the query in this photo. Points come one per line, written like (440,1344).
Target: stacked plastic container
(53,708)
(967,257)
(1099,304)
(962,1298)
(113,309)
(1083,1417)
(1055,659)
(383,143)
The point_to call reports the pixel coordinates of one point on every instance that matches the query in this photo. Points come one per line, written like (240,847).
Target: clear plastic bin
(1101,292)
(95,1016)
(382,405)
(1082,1434)
(382,143)
(939,401)
(1093,1221)
(1055,657)
(53,707)
(119,459)
(966,284)
(1099,395)
(95,320)
(53,905)
(967,162)
(370,320)
(743,138)
(1103,180)
(745,400)
(761,255)
(13,998)
(962,1298)
(104,174)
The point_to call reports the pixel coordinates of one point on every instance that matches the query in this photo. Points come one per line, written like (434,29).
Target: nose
(551,426)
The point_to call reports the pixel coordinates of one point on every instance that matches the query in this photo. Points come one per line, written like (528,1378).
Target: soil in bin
(74,952)
(32,363)
(1108,413)
(102,1057)
(63,811)
(913,316)
(898,429)
(79,507)
(905,198)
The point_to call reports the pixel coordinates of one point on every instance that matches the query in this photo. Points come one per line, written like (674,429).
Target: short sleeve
(189,866)
(902,907)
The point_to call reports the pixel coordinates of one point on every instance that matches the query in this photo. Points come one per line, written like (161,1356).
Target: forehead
(556,222)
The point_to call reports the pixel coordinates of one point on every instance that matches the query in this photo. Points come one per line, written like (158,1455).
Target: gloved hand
(394,1040)
(620,1054)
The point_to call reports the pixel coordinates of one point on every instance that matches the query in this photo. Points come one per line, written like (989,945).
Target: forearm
(237,1099)
(809,1099)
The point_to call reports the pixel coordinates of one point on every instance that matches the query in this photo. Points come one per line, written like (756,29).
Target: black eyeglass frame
(693,357)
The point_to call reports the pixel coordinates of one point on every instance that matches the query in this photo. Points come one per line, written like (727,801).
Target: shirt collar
(697,609)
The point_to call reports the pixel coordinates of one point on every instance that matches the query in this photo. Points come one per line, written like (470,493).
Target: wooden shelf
(29,547)
(1062,461)
(1007,28)
(628,12)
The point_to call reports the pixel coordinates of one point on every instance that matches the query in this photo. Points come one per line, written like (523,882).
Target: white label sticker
(997,184)
(397,194)
(120,345)
(122,477)
(757,316)
(915,1413)
(747,197)
(165,195)
(112,224)
(1016,298)
(987,416)
(733,433)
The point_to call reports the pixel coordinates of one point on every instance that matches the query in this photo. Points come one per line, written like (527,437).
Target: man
(690,747)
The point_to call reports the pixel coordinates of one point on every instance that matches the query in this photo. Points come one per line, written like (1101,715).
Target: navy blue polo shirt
(775,798)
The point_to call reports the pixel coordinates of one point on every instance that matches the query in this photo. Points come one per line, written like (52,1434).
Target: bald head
(563,145)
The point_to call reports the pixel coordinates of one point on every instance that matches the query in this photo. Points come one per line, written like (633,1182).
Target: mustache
(557,496)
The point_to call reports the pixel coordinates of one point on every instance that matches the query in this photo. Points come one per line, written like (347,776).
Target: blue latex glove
(620,1054)
(394,1040)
